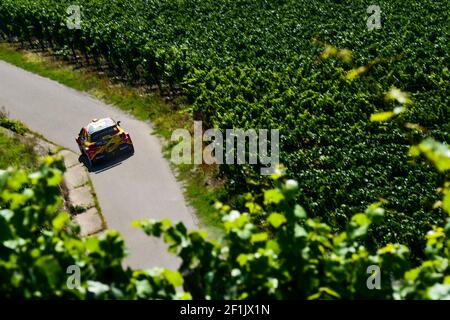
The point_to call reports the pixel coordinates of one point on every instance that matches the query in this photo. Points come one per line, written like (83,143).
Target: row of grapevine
(253,64)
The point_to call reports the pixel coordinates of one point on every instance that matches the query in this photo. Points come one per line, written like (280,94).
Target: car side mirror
(118,123)
(77,140)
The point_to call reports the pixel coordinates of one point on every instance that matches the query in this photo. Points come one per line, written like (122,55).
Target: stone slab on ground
(70,158)
(76,177)
(89,221)
(81,197)
(41,146)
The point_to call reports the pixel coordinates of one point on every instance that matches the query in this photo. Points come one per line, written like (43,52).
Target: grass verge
(17,153)
(165,117)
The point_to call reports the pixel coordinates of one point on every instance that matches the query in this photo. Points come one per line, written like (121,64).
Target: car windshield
(105,133)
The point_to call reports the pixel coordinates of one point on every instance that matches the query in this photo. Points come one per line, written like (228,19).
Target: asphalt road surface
(139,187)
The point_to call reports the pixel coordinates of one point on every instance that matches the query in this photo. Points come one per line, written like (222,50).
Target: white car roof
(100,124)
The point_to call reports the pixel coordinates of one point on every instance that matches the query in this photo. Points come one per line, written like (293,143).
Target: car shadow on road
(104,165)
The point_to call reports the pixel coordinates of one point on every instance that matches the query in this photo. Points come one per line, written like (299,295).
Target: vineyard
(257,64)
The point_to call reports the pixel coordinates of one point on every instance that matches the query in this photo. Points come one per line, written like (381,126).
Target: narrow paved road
(136,188)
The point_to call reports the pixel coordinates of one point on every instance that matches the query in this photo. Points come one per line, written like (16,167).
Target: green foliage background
(38,243)
(16,153)
(253,64)
(296,257)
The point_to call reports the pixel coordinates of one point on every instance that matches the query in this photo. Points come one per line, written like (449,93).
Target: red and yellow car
(102,138)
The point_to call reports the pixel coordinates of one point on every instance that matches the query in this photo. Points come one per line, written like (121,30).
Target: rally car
(103,138)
